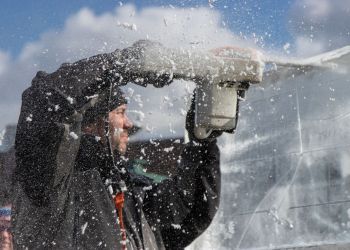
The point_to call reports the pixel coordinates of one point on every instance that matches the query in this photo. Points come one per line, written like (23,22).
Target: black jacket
(61,200)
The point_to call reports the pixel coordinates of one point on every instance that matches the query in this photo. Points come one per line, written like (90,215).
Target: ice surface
(286,177)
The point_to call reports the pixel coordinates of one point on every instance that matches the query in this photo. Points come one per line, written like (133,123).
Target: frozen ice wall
(286,171)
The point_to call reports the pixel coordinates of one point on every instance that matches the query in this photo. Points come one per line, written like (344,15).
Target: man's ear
(95,128)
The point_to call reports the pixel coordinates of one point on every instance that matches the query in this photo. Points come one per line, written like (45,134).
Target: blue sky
(24,21)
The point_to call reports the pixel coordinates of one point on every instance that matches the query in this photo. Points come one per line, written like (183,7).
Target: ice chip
(70,100)
(73,135)
(176,226)
(83,228)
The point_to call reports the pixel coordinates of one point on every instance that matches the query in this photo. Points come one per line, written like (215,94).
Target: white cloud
(307,46)
(85,34)
(317,9)
(320,25)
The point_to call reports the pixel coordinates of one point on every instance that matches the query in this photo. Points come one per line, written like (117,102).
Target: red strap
(119,204)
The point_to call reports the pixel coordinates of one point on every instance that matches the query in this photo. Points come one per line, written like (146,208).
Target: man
(5,222)
(73,190)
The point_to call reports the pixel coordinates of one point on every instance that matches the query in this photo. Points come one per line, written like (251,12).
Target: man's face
(5,235)
(5,240)
(119,125)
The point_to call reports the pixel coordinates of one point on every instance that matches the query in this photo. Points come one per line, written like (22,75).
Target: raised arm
(49,126)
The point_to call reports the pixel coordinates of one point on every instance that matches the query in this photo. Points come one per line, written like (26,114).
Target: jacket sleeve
(184,206)
(48,127)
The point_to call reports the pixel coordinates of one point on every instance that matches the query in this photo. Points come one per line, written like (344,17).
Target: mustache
(131,131)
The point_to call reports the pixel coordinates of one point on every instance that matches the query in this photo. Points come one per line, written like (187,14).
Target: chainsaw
(222,77)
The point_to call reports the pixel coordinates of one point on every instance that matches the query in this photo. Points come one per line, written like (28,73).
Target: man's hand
(132,62)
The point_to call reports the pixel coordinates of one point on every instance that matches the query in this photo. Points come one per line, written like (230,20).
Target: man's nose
(128,123)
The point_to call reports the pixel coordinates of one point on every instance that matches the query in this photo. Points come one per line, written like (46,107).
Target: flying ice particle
(176,226)
(169,149)
(29,118)
(73,135)
(147,188)
(286,48)
(211,3)
(70,100)
(129,26)
(166,99)
(83,228)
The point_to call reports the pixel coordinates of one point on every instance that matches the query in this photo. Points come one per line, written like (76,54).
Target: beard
(120,140)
